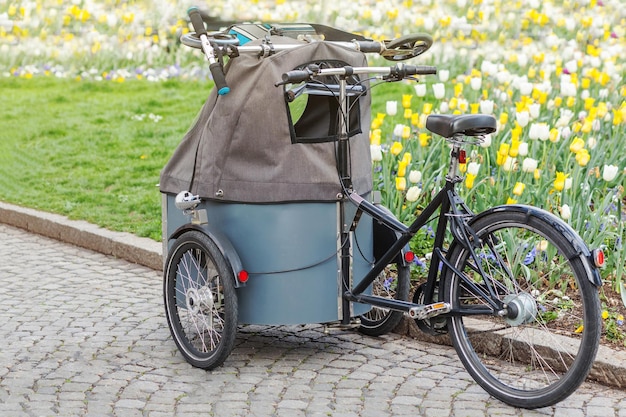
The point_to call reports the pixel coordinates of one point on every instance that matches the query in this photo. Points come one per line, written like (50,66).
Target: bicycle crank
(426,311)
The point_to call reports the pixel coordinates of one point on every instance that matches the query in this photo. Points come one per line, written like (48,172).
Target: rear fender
(223,244)
(579,247)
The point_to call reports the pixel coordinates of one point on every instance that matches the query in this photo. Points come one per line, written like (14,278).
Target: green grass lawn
(92,151)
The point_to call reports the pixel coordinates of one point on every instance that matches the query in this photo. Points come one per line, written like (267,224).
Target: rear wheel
(393,282)
(543,349)
(200,300)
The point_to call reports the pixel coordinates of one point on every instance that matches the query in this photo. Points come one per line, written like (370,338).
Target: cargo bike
(269,217)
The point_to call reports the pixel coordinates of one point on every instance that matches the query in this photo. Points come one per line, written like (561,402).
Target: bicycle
(514,287)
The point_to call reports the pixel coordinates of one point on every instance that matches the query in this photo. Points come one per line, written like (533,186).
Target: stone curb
(142,251)
(609,368)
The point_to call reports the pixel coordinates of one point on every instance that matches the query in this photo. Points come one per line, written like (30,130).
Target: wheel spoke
(201,304)
(549,333)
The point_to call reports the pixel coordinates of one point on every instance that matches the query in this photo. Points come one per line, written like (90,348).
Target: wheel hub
(522,308)
(199,300)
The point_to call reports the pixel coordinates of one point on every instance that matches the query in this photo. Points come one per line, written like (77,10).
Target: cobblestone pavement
(84,334)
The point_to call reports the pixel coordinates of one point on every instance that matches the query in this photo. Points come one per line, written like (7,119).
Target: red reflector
(598,257)
(462,156)
(243,276)
(409,256)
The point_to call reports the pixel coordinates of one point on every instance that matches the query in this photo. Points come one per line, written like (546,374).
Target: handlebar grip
(402,71)
(419,70)
(219,79)
(369,46)
(296,76)
(196,21)
(426,70)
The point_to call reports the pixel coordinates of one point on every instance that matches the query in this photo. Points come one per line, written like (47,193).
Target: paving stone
(85,335)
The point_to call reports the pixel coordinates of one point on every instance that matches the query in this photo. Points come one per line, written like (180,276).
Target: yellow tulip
(469,180)
(559,182)
(583,157)
(511,201)
(402,168)
(519,188)
(406,100)
(504,149)
(577,145)
(375,137)
(400,183)
(396,148)
(514,149)
(406,132)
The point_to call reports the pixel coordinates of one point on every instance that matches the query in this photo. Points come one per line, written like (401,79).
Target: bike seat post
(455,157)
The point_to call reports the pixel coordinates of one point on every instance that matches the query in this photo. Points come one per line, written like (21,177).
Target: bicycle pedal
(426,311)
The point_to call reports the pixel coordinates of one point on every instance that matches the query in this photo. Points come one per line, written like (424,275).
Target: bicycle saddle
(447,125)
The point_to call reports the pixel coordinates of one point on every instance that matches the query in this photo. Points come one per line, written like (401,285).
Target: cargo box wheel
(200,300)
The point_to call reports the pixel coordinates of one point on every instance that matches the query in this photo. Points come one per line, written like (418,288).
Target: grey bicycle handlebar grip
(196,21)
(407,70)
(219,78)
(419,70)
(296,76)
(369,46)
(217,72)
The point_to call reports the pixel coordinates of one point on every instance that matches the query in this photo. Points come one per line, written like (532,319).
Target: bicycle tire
(379,321)
(542,355)
(200,300)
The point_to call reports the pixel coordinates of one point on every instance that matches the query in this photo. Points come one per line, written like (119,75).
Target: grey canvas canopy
(247,146)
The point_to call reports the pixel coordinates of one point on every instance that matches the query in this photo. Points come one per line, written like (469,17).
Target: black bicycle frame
(446,201)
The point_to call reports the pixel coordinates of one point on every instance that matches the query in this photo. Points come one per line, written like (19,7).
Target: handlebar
(394,73)
(215,66)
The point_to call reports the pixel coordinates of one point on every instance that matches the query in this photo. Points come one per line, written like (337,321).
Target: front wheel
(543,348)
(200,300)
(394,282)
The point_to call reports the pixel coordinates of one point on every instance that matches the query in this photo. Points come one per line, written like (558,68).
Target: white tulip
(439,90)
(509,164)
(415,176)
(473,167)
(571,66)
(522,118)
(568,183)
(486,106)
(566,212)
(529,165)
(444,75)
(522,150)
(609,172)
(376,152)
(476,83)
(534,110)
(539,131)
(413,193)
(420,89)
(486,141)
(392,107)
(525,88)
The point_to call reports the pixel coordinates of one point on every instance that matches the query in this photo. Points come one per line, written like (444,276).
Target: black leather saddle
(447,125)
